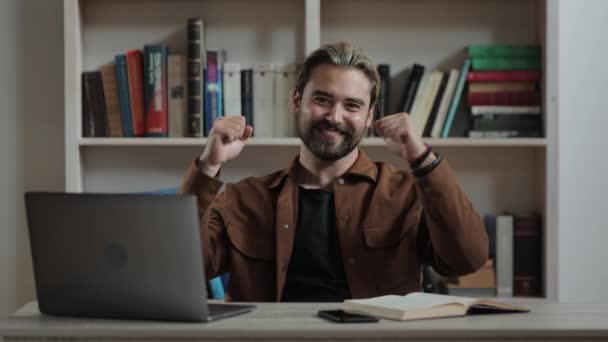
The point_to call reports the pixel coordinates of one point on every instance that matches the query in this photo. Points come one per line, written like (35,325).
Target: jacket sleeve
(214,238)
(452,237)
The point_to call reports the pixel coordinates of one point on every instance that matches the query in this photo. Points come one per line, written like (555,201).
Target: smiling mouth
(329,132)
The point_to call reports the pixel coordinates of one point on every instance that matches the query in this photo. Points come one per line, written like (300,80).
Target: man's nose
(336,113)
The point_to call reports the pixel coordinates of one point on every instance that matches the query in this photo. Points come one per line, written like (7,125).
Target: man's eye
(321,100)
(352,106)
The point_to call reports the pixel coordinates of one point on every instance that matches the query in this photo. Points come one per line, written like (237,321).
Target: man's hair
(344,55)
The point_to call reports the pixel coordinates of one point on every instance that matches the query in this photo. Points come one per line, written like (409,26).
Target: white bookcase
(517,175)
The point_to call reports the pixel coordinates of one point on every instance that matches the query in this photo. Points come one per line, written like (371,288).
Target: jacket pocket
(387,235)
(253,247)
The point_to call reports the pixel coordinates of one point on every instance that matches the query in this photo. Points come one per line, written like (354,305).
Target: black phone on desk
(340,316)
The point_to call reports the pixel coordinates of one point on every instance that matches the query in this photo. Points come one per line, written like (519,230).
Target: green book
(504,51)
(506,63)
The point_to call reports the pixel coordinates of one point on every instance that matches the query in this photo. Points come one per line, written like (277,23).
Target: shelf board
(292,141)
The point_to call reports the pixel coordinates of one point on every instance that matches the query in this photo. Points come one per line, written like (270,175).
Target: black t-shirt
(316,272)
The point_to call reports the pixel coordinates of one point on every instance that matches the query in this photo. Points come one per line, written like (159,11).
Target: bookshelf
(517,174)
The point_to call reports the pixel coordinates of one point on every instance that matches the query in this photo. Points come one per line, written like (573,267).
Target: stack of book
(504,91)
(154,93)
(515,260)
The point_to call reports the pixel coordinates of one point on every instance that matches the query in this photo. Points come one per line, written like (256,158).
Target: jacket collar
(363,167)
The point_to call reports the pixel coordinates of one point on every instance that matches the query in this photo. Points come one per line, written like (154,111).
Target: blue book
(216,288)
(122,83)
(211,90)
(489,222)
(220,85)
(456,100)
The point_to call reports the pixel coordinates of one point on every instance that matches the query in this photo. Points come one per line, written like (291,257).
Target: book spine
(442,112)
(196,65)
(232,89)
(505,134)
(384,70)
(211,97)
(108,77)
(176,89)
(122,82)
(499,124)
(284,83)
(496,87)
(503,63)
(411,87)
(95,122)
(136,91)
(527,253)
(503,76)
(504,99)
(263,100)
(220,83)
(504,255)
(247,96)
(485,110)
(435,107)
(155,65)
(504,51)
(456,100)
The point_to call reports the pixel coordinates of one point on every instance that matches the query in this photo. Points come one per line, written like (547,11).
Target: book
(122,83)
(504,51)
(504,99)
(504,255)
(384,101)
(284,84)
(94,123)
(136,91)
(155,90)
(110,90)
(232,89)
(494,87)
(411,87)
(176,70)
(435,107)
(196,66)
(503,76)
(444,106)
(420,305)
(247,96)
(422,110)
(263,100)
(456,99)
(506,63)
(527,255)
(507,110)
(212,106)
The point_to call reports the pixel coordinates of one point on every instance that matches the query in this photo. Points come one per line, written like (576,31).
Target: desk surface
(298,321)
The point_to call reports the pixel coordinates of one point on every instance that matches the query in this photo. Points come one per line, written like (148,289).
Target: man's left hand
(400,137)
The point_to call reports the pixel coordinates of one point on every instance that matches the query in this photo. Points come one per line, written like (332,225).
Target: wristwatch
(425,170)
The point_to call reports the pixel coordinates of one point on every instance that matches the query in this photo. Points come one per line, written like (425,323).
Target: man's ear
(295,101)
(370,116)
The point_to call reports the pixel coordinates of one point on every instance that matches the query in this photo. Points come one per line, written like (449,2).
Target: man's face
(333,112)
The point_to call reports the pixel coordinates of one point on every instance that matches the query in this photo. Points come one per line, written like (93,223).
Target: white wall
(583,162)
(31,130)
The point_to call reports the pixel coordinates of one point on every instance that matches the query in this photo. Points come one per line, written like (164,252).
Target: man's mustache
(323,124)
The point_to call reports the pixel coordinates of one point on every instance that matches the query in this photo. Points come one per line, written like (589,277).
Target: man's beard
(326,149)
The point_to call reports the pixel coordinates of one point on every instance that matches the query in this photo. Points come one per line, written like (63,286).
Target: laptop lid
(117,255)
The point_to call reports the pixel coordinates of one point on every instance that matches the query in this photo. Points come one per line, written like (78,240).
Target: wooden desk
(291,322)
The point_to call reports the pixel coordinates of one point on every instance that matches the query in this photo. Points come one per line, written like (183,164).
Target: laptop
(125,256)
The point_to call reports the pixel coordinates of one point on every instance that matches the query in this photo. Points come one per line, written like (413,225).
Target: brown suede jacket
(388,223)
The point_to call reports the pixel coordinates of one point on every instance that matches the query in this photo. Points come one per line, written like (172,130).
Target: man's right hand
(226,140)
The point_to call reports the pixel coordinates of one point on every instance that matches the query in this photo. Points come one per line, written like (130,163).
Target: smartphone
(344,317)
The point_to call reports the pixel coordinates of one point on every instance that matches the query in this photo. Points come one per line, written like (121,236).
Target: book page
(413,301)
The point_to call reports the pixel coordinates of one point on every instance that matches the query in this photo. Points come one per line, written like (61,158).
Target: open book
(420,305)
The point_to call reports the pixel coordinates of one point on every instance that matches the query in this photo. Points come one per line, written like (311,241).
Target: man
(334,225)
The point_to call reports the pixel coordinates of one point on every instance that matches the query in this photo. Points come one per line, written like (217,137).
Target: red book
(136,91)
(504,99)
(493,76)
